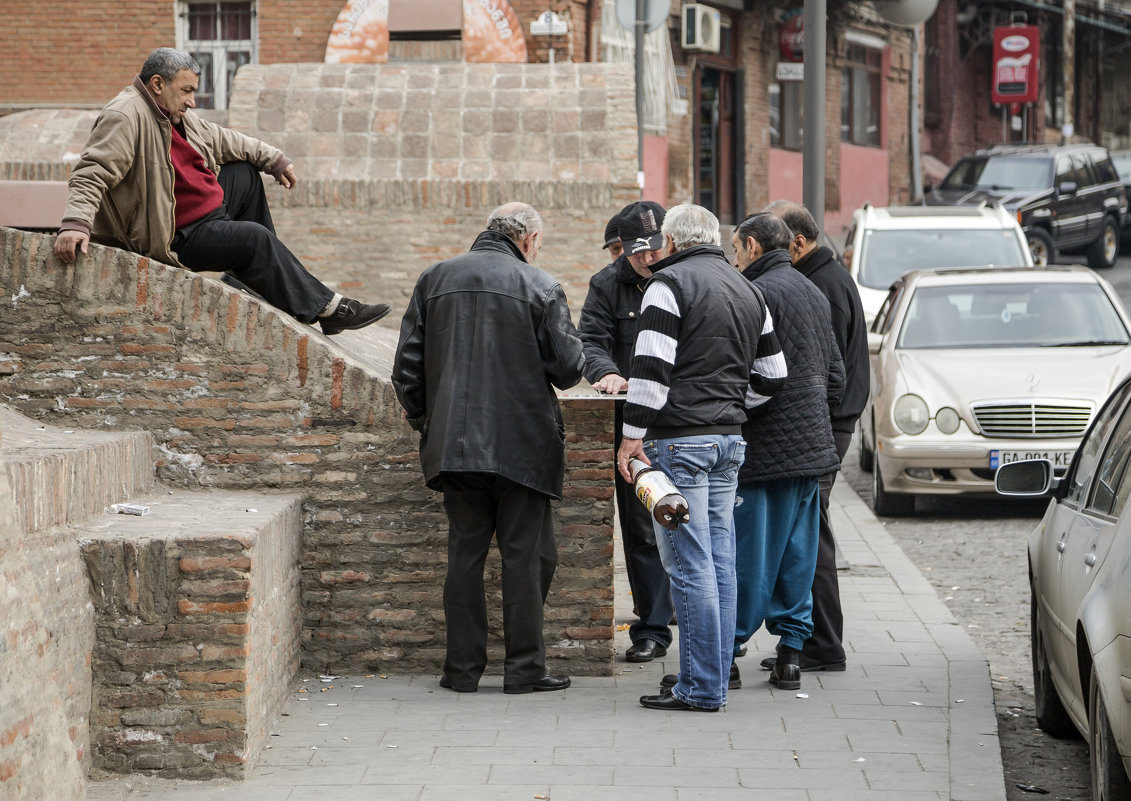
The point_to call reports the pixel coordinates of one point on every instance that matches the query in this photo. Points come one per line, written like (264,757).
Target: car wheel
(1109,779)
(1052,717)
(867,458)
(1103,252)
(884,502)
(1041,247)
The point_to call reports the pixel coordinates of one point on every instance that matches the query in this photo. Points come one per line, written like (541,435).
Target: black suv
(1067,197)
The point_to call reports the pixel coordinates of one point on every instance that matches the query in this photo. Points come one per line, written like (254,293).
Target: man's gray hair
(688,225)
(167,62)
(767,229)
(515,221)
(797,217)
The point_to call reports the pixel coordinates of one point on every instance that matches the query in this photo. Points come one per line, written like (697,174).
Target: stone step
(60,477)
(197,620)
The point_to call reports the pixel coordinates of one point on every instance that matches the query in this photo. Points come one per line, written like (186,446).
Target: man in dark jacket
(485,339)
(705,351)
(824,650)
(608,330)
(789,446)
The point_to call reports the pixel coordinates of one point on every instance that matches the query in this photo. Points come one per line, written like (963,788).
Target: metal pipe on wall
(813,107)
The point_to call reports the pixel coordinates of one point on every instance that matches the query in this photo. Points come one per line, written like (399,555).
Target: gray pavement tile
(871,761)
(910,714)
(641,776)
(782,759)
(875,795)
(741,794)
(285,775)
(478,792)
(580,738)
(778,741)
(426,775)
(899,745)
(494,755)
(324,738)
(879,779)
(667,738)
(637,755)
(938,698)
(386,754)
(565,792)
(285,756)
(396,793)
(803,725)
(147,789)
(552,774)
(809,779)
(487,719)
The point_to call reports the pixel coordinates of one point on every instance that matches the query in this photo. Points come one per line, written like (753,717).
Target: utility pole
(1068,56)
(813,107)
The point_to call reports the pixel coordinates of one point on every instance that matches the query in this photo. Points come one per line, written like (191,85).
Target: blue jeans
(699,559)
(776,528)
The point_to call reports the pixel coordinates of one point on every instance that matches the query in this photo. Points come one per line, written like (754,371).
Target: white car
(976,368)
(883,243)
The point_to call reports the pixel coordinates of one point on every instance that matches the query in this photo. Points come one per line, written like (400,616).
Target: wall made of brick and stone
(239,396)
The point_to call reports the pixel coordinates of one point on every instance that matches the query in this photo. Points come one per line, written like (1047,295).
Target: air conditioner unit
(702,27)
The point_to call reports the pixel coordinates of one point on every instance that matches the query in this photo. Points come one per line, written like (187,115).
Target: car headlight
(911,414)
(947,420)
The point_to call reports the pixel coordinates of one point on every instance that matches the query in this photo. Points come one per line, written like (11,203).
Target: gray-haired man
(156,179)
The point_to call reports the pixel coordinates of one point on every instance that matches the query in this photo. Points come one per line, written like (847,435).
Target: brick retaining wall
(237,395)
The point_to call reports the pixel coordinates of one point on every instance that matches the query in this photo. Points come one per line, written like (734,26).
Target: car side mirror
(1066,187)
(1030,478)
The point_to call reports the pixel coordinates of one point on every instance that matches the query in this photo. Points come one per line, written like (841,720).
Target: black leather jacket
(485,339)
(609,319)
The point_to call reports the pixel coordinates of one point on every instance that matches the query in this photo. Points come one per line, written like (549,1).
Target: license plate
(1059,459)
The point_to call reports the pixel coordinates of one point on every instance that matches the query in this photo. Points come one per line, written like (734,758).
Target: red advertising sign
(1016,63)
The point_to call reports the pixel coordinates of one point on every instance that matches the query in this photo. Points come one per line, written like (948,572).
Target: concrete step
(59,477)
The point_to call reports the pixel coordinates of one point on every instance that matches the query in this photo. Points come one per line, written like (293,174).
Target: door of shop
(718,157)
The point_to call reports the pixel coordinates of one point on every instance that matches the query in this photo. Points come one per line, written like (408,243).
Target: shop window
(860,96)
(786,106)
(221,37)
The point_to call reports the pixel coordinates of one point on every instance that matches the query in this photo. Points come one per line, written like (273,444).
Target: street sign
(655,12)
(1016,62)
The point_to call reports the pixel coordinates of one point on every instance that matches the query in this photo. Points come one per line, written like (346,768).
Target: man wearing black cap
(608,332)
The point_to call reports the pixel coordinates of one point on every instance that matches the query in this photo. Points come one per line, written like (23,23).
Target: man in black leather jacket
(484,341)
(608,330)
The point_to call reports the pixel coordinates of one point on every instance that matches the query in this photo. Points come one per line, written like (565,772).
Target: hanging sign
(1016,64)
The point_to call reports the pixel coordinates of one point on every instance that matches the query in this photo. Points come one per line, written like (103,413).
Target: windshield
(886,255)
(999,173)
(1011,316)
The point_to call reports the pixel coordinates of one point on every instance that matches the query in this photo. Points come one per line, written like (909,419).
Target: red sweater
(196,191)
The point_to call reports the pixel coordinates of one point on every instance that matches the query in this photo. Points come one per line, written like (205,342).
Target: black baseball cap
(612,231)
(640,226)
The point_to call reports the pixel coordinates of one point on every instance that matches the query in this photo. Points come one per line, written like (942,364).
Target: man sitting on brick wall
(150,180)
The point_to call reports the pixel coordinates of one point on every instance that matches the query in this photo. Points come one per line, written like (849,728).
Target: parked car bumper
(941,466)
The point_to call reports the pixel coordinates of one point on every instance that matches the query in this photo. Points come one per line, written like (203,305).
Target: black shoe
(740,651)
(808,665)
(669,703)
(446,683)
(353,314)
(787,672)
(644,651)
(545,684)
(734,682)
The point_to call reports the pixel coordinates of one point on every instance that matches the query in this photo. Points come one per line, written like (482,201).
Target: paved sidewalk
(912,719)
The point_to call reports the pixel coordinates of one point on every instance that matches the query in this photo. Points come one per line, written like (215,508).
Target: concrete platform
(911,719)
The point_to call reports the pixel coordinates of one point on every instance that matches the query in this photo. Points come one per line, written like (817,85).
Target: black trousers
(240,239)
(480,505)
(647,579)
(825,643)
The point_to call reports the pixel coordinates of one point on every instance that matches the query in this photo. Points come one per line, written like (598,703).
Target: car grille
(1032,419)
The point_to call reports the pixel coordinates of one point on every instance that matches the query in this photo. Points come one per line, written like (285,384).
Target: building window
(786,106)
(221,37)
(860,96)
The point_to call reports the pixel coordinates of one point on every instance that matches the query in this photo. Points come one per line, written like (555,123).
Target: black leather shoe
(787,672)
(808,665)
(545,684)
(733,683)
(740,651)
(446,683)
(353,314)
(644,651)
(669,703)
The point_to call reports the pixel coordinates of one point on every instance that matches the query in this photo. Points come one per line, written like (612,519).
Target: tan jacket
(121,189)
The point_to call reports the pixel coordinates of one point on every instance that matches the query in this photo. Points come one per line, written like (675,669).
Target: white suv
(884,243)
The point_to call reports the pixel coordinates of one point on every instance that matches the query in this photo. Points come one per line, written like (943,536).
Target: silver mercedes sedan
(975,368)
